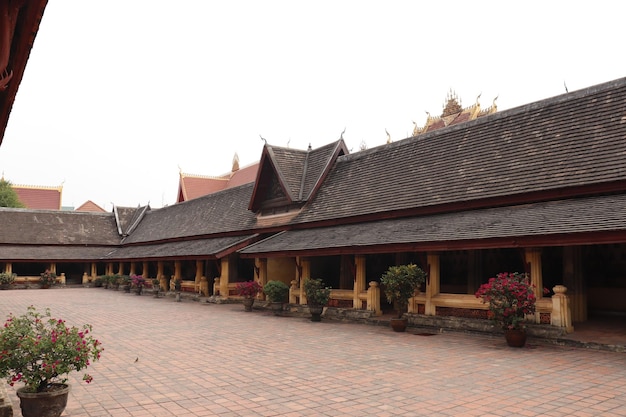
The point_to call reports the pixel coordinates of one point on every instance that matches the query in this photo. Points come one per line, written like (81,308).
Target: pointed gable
(90,206)
(39,197)
(287,178)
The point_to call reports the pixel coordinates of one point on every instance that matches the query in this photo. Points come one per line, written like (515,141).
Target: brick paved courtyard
(199,359)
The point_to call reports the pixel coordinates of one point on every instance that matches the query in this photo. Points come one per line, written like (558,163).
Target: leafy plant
(510,296)
(316,293)
(47,278)
(248,289)
(400,283)
(138,281)
(7,278)
(276,291)
(39,350)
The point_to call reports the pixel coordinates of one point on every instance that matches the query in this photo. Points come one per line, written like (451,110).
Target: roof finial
(310,148)
(263,139)
(235,163)
(341,136)
(388,136)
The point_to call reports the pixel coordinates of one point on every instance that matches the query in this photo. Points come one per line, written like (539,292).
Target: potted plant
(125,282)
(6,280)
(47,279)
(248,290)
(98,282)
(156,287)
(400,283)
(511,297)
(317,296)
(138,283)
(39,351)
(277,293)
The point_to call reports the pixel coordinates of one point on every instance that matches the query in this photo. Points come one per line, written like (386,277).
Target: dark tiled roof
(128,218)
(42,227)
(570,140)
(300,171)
(584,215)
(289,166)
(221,212)
(189,248)
(64,253)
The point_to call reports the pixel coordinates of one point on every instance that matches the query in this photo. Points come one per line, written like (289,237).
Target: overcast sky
(119,95)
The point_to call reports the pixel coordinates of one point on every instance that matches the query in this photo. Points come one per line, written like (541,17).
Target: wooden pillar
(178,270)
(145,271)
(163,281)
(224,278)
(305,268)
(120,268)
(8,268)
(359,281)
(533,260)
(433,282)
(133,270)
(53,267)
(260,271)
(574,280)
(94,270)
(199,270)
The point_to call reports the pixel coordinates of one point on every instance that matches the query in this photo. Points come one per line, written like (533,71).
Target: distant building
(39,197)
(90,206)
(192,186)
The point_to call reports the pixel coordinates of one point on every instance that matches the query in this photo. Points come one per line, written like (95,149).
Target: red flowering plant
(511,296)
(39,350)
(138,280)
(248,289)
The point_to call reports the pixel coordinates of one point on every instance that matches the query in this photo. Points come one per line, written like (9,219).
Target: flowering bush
(510,296)
(39,350)
(248,289)
(138,280)
(47,278)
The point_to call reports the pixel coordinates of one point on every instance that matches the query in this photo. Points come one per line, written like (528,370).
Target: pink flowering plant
(248,289)
(511,296)
(39,350)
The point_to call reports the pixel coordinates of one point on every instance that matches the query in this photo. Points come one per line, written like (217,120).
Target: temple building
(39,197)
(539,188)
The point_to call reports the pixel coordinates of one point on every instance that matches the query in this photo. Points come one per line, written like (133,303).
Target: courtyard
(184,359)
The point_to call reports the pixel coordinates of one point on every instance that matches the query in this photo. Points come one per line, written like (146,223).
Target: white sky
(120,94)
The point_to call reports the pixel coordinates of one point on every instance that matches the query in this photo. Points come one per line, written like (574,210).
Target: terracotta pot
(247,304)
(44,404)
(398,325)
(515,337)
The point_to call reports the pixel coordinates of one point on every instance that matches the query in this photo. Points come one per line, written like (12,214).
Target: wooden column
(359,281)
(574,280)
(433,281)
(224,278)
(178,270)
(8,268)
(305,267)
(94,270)
(260,270)
(199,273)
(132,270)
(120,268)
(145,271)
(533,258)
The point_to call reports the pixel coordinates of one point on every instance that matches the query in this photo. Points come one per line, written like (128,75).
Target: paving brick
(191,359)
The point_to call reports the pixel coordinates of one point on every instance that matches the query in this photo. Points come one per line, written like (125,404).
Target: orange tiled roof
(192,186)
(91,207)
(39,197)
